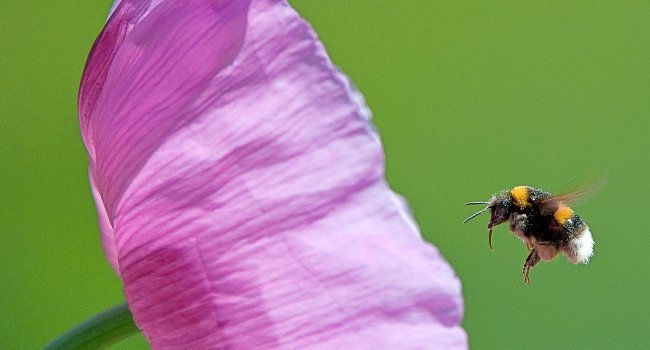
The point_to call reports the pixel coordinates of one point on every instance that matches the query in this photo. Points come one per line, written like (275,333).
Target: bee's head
(500,206)
(500,210)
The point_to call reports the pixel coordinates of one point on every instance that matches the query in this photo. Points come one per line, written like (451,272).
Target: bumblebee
(543,221)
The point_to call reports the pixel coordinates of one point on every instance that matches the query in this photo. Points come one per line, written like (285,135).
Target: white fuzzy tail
(581,248)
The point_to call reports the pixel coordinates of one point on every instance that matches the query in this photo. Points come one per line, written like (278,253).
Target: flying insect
(543,221)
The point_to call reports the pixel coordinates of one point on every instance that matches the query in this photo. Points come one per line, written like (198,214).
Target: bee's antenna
(477,214)
(473,203)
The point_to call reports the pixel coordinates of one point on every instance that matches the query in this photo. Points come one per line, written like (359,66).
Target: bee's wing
(551,203)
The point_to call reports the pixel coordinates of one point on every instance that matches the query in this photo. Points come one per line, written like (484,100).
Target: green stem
(99,332)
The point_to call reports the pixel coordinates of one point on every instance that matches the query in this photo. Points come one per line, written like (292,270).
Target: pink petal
(241,188)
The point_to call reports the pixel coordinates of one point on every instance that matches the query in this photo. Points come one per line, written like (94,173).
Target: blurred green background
(470,97)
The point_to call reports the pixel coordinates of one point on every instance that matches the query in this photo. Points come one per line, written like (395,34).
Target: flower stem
(99,332)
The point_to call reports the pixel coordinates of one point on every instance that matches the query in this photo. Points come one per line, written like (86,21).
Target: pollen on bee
(562,214)
(520,195)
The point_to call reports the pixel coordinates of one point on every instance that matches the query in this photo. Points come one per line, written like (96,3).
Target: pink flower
(241,191)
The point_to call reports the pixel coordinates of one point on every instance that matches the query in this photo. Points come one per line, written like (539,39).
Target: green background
(469,97)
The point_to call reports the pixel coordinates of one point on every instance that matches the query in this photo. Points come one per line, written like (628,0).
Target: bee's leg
(546,250)
(530,262)
(529,246)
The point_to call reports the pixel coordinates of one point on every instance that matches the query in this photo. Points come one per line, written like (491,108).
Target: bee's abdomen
(579,244)
(563,214)
(571,222)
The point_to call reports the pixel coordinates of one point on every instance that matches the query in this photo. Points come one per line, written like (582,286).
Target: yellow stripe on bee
(562,214)
(520,195)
